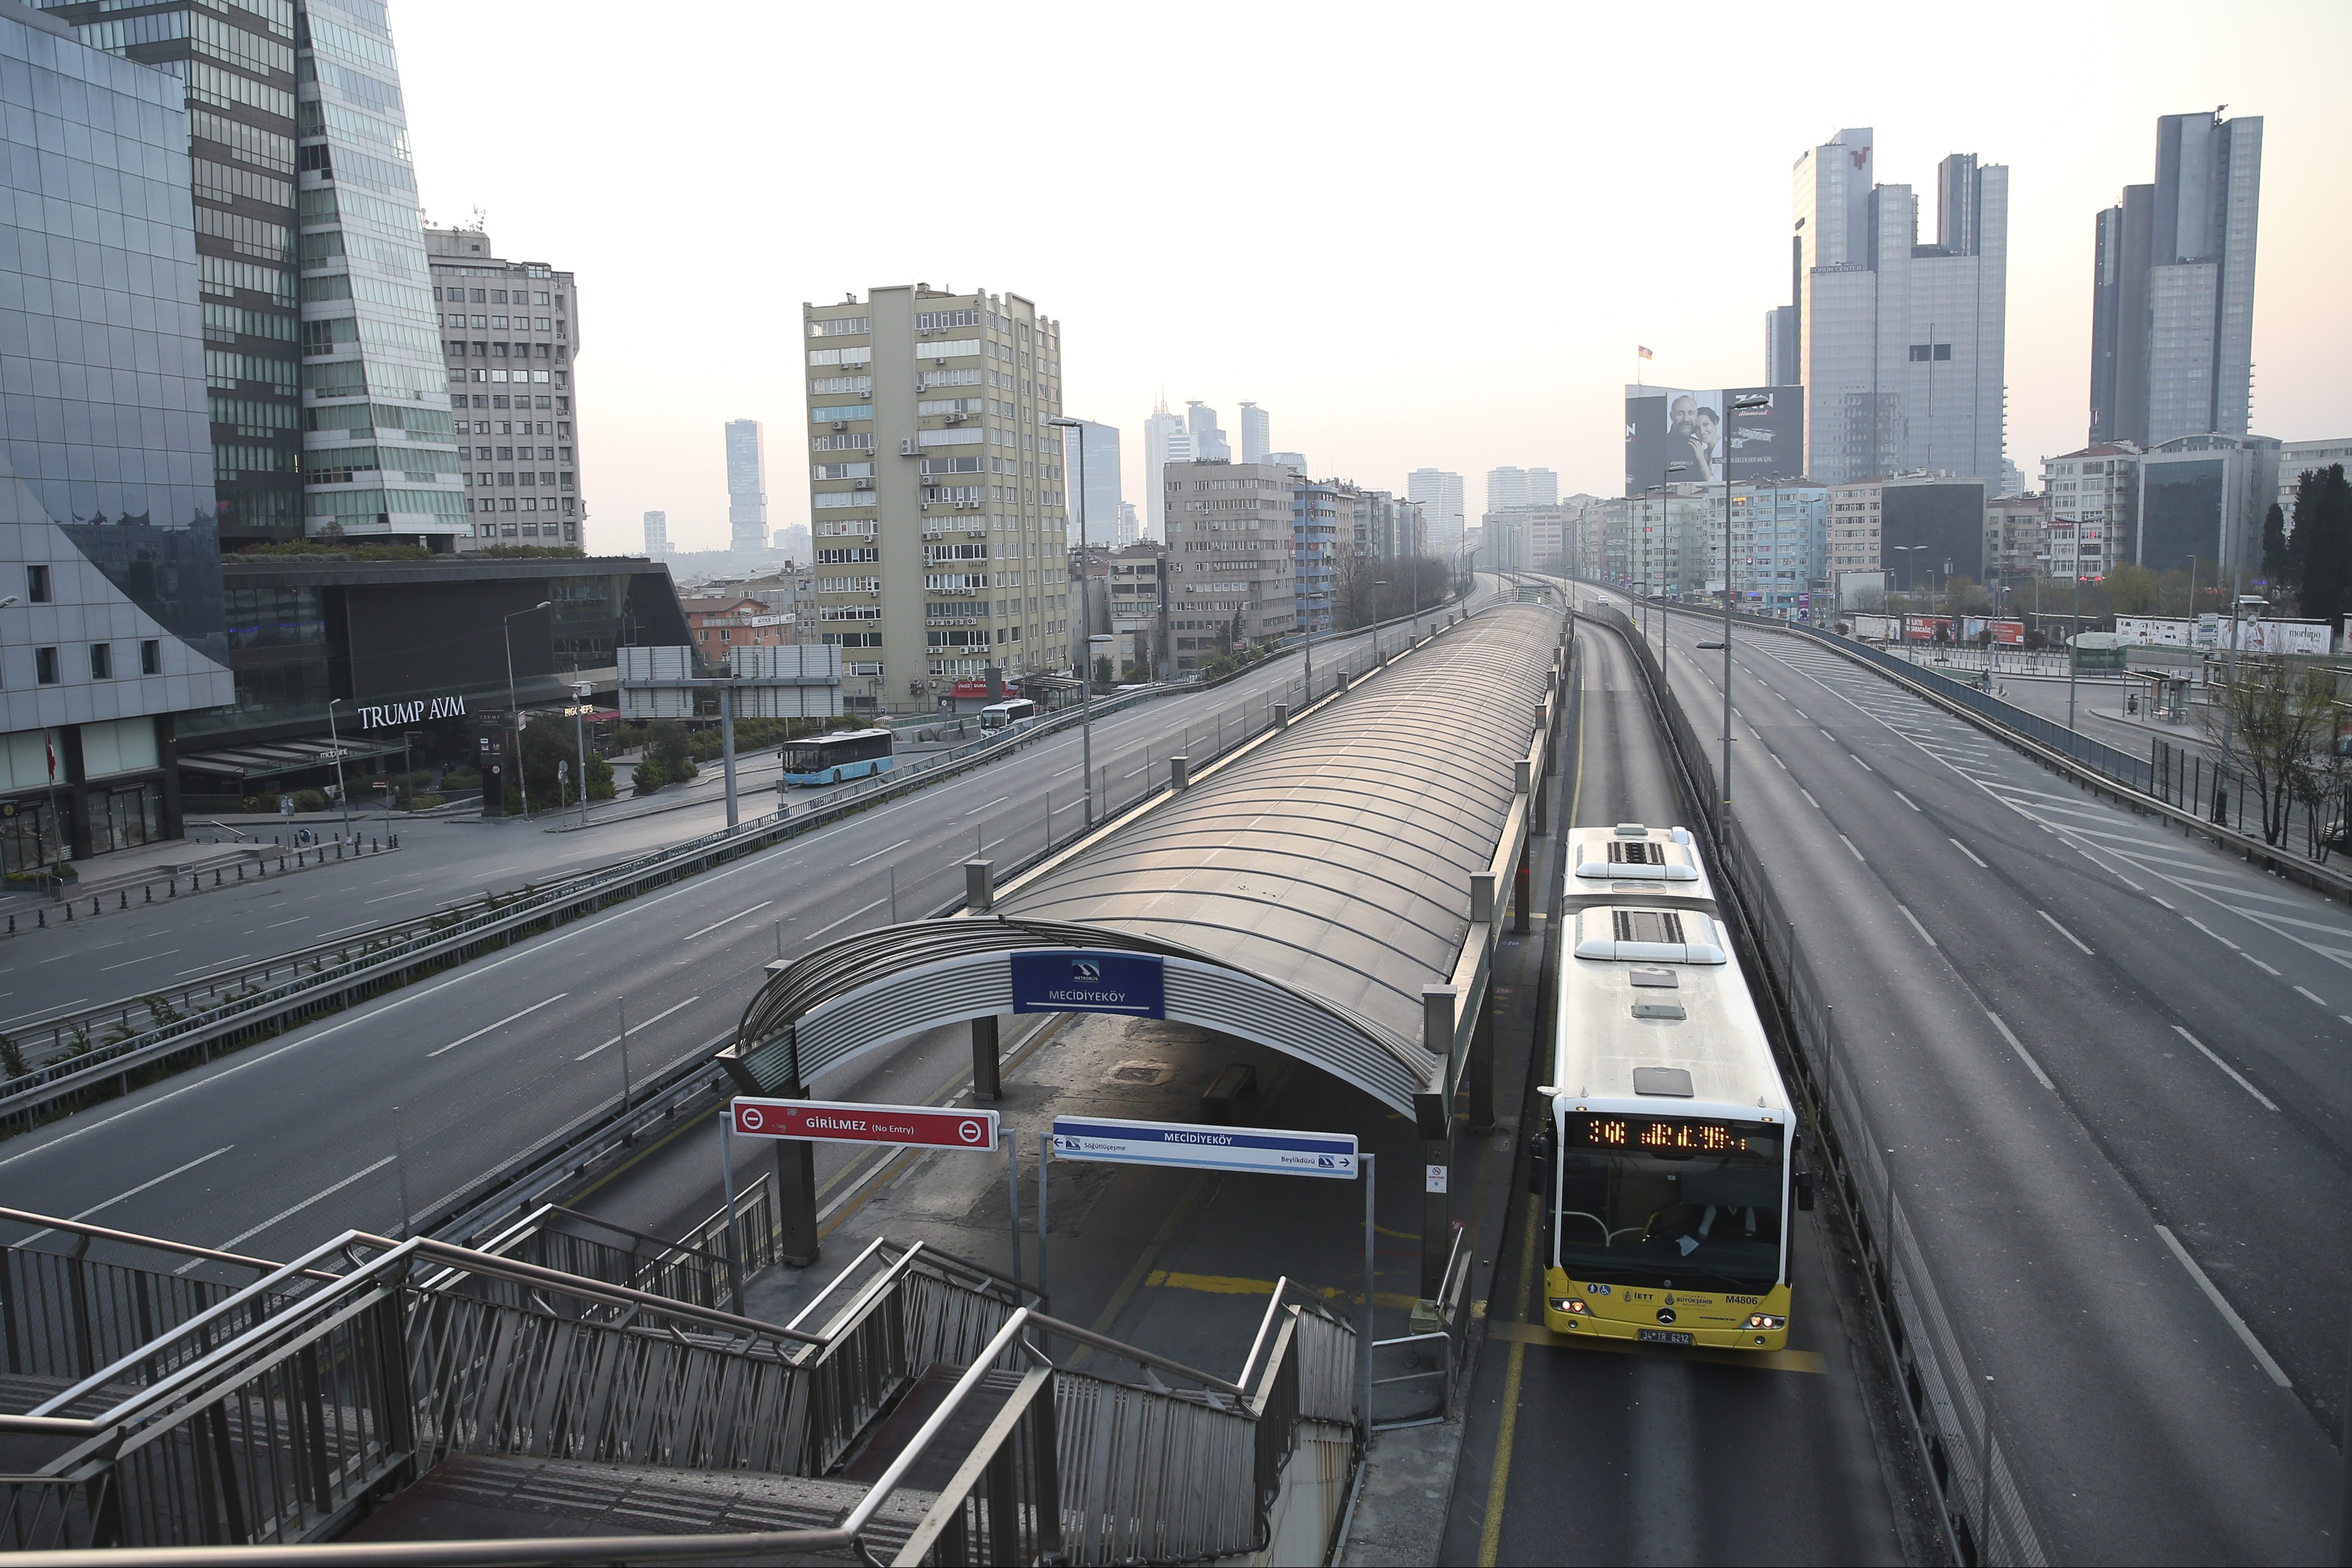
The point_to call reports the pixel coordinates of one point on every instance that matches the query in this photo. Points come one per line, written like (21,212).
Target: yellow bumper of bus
(1642,1312)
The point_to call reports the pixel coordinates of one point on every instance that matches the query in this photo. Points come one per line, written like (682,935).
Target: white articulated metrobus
(1668,1164)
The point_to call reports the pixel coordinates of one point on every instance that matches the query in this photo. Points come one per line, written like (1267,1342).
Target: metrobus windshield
(1648,1199)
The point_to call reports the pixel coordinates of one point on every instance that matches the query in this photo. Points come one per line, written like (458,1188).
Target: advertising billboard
(1758,432)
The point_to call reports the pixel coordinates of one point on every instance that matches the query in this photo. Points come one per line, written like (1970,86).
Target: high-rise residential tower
(1166,439)
(658,533)
(2172,293)
(510,392)
(1104,500)
(1901,343)
(1508,488)
(1440,495)
(937,491)
(1256,437)
(747,480)
(1209,444)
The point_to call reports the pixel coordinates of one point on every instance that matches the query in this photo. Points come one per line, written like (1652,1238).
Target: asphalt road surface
(1577,1453)
(292,1140)
(2108,1065)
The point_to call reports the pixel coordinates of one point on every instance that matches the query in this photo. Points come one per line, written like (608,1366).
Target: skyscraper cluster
(2172,297)
(1899,344)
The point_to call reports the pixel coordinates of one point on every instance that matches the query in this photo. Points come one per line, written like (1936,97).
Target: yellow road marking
(1237,1285)
(1499,1485)
(1771,1360)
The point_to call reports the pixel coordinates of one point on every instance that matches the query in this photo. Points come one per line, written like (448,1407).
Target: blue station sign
(1090,980)
(1195,1148)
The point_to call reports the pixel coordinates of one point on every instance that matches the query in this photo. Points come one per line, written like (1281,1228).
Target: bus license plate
(1665,1336)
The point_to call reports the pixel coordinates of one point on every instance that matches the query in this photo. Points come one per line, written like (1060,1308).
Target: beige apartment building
(936,491)
(1229,553)
(1856,519)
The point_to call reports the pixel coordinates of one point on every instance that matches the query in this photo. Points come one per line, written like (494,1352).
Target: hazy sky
(1414,236)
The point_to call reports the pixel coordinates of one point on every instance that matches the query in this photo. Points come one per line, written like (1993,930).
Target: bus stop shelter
(1334,890)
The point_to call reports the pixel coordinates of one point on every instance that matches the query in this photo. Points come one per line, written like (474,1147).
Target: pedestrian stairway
(558,1396)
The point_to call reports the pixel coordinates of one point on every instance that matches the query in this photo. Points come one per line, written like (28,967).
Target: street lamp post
(579,742)
(1085,627)
(515,706)
(336,740)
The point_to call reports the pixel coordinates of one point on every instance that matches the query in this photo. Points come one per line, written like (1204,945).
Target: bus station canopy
(1300,894)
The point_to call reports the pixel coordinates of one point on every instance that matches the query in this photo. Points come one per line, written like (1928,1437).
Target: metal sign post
(886,1126)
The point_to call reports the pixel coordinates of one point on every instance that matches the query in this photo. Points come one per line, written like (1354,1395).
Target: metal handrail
(133,1239)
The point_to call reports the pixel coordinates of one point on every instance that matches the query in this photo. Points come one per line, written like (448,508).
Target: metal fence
(279,1432)
(2120,766)
(1982,1505)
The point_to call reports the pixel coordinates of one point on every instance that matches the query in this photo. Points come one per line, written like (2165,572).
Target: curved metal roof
(1327,873)
(1335,861)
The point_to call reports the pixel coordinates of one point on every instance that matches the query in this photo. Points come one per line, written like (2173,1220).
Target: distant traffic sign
(1192,1147)
(842,1122)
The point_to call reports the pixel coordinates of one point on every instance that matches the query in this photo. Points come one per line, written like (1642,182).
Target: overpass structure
(1334,890)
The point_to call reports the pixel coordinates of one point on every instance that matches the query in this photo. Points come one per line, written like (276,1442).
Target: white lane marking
(1849,844)
(1970,854)
(2209,930)
(2062,931)
(388,897)
(884,849)
(502,1023)
(1808,794)
(2165,905)
(728,920)
(1866,767)
(1827,735)
(2237,1323)
(2257,963)
(339,930)
(1915,926)
(276,924)
(846,918)
(231,1243)
(2312,995)
(1906,800)
(2024,1055)
(2235,1076)
(635,1028)
(166,953)
(1776,759)
(134,1192)
(201,967)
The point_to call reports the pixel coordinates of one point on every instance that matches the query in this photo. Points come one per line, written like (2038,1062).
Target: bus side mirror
(1540,1164)
(1804,1192)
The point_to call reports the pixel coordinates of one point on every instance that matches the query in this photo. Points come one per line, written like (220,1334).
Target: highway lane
(295,1136)
(122,956)
(1615,1456)
(2103,1058)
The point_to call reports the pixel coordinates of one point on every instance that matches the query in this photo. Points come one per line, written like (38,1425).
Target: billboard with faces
(1674,435)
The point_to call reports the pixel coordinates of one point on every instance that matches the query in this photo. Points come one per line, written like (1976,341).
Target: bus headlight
(1766,1321)
(1572,1305)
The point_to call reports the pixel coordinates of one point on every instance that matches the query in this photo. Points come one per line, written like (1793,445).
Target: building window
(36,584)
(45,666)
(102,660)
(151,657)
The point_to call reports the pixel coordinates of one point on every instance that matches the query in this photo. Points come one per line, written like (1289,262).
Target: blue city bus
(830,759)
